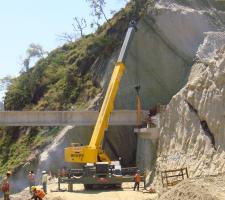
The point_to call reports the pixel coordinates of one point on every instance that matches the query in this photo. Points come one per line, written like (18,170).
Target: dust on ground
(198,188)
(204,188)
(125,193)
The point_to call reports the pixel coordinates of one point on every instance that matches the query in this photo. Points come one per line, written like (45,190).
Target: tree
(97,7)
(32,52)
(5,82)
(67,37)
(35,50)
(79,25)
(95,24)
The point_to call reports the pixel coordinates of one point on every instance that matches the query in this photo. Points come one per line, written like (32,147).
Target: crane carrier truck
(98,168)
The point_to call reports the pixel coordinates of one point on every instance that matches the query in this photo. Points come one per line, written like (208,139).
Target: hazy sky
(28,21)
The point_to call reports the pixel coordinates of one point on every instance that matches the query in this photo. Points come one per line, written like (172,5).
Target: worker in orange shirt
(137,180)
(38,194)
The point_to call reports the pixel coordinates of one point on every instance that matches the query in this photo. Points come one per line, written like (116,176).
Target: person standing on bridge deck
(137,180)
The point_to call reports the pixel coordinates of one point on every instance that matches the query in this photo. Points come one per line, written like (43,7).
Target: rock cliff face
(162,51)
(192,126)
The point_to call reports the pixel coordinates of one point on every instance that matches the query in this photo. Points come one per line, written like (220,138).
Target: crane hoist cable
(137,86)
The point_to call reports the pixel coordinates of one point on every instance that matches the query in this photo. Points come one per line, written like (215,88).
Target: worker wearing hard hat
(38,194)
(44,181)
(31,179)
(6,186)
(137,180)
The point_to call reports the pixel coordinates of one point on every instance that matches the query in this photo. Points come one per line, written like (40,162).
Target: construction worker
(44,181)
(6,186)
(137,180)
(120,160)
(63,172)
(31,179)
(38,194)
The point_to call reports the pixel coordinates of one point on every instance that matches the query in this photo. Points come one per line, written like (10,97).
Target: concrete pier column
(70,187)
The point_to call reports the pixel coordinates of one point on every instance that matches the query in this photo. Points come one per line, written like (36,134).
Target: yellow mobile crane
(93,153)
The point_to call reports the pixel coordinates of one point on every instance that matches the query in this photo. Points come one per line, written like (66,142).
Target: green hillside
(63,78)
(61,81)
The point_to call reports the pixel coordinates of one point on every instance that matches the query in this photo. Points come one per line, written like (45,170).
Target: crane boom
(93,153)
(107,106)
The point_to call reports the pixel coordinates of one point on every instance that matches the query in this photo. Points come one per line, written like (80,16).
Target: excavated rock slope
(193,125)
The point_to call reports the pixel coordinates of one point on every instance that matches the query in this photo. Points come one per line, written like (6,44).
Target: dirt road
(126,193)
(207,188)
(204,188)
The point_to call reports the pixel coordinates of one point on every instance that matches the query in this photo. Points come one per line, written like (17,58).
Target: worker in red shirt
(137,180)
(6,186)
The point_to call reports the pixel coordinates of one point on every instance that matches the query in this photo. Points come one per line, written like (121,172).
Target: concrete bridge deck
(63,118)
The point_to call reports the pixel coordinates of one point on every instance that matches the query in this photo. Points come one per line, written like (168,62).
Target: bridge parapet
(63,118)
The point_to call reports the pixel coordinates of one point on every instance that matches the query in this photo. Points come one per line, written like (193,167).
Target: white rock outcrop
(193,125)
